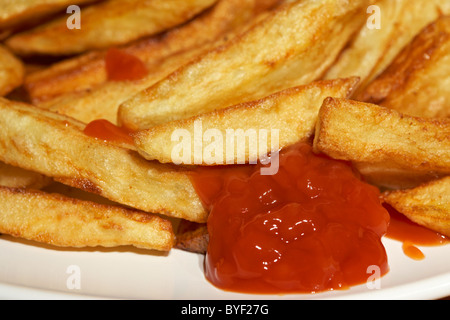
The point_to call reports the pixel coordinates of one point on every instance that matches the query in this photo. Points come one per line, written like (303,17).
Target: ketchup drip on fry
(412,235)
(313,226)
(105,130)
(122,66)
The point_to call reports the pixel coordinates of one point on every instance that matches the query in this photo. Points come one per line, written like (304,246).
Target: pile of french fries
(376,97)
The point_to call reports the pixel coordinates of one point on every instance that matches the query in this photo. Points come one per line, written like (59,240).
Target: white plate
(32,271)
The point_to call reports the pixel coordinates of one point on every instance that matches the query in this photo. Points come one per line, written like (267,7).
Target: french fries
(293,112)
(418,81)
(427,204)
(60,221)
(87,71)
(15,177)
(246,68)
(12,71)
(383,139)
(55,145)
(374,48)
(162,56)
(106,24)
(103,101)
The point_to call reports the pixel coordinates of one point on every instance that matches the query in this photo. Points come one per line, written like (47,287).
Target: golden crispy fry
(247,68)
(61,221)
(15,177)
(104,100)
(418,81)
(106,24)
(292,112)
(16,13)
(11,71)
(383,140)
(54,145)
(427,205)
(87,71)
(372,49)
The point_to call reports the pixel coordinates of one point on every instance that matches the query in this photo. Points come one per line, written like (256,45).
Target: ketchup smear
(122,66)
(412,235)
(313,226)
(105,130)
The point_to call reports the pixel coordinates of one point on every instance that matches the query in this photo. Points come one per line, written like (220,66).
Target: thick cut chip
(106,24)
(12,71)
(391,25)
(383,141)
(247,68)
(61,221)
(104,99)
(18,13)
(55,145)
(418,81)
(15,177)
(427,204)
(88,71)
(288,116)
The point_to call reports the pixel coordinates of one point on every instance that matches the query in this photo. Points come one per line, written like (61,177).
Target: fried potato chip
(55,145)
(15,177)
(418,81)
(61,221)
(427,205)
(12,71)
(103,101)
(383,139)
(292,113)
(88,71)
(247,68)
(106,24)
(17,13)
(374,47)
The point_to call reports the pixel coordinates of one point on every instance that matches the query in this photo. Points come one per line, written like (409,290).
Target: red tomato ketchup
(313,226)
(122,66)
(104,130)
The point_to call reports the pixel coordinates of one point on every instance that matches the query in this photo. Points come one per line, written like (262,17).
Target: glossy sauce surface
(313,226)
(105,130)
(122,66)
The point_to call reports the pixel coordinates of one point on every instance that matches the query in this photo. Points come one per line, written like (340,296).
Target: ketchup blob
(313,226)
(122,66)
(105,130)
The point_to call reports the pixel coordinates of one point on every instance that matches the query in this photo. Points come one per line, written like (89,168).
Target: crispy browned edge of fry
(128,213)
(192,237)
(322,143)
(428,216)
(414,56)
(87,71)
